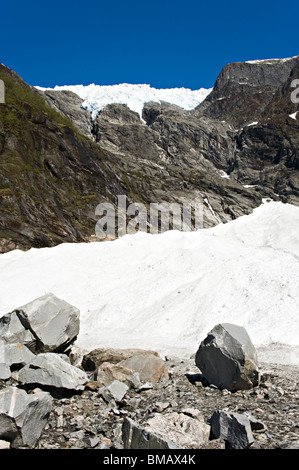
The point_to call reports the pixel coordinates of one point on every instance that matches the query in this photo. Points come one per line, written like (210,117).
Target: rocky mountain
(58,161)
(254,98)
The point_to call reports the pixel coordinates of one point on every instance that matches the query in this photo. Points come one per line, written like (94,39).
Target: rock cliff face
(255,99)
(51,175)
(243,90)
(58,164)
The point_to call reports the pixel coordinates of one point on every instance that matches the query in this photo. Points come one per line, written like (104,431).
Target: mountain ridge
(96,97)
(57,163)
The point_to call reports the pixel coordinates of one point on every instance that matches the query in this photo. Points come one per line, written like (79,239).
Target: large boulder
(93,359)
(135,436)
(167,431)
(53,370)
(23,416)
(184,430)
(150,368)
(46,324)
(228,359)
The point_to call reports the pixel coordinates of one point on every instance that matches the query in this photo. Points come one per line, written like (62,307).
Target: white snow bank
(96,97)
(270,61)
(165,292)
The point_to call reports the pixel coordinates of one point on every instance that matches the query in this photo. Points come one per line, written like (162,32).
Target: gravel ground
(85,421)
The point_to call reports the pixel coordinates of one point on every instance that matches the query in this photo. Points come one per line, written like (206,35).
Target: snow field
(166,291)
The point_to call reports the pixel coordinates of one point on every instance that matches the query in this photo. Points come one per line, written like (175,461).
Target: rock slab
(136,436)
(183,430)
(166,431)
(23,416)
(107,372)
(116,390)
(53,370)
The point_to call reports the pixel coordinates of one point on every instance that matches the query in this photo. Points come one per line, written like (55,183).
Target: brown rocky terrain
(57,164)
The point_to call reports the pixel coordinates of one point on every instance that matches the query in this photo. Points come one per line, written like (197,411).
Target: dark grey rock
(256,424)
(234,428)
(228,359)
(244,89)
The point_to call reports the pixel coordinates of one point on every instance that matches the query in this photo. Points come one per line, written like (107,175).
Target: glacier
(96,97)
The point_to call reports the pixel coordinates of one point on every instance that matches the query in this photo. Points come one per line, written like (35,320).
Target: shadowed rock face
(234,428)
(57,164)
(267,153)
(70,104)
(50,175)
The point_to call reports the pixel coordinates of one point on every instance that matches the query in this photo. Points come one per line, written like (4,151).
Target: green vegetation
(46,181)
(23,103)
(5,192)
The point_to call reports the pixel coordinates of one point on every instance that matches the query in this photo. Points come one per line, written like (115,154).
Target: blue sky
(163,43)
